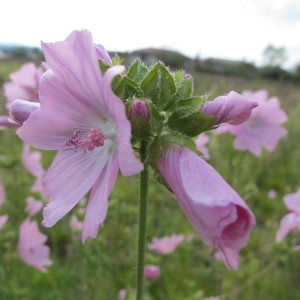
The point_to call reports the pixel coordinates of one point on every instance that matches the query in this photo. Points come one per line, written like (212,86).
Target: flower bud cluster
(161,106)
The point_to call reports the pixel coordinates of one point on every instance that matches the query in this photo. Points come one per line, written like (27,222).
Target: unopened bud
(139,108)
(20,110)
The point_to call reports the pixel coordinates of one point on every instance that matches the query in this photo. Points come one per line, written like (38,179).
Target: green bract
(174,112)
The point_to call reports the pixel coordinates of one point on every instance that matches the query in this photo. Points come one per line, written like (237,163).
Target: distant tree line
(272,69)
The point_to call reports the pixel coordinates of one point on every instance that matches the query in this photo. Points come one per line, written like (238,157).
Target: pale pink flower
(272,194)
(216,211)
(263,128)
(82,118)
(213,298)
(201,142)
(2,194)
(75,224)
(151,271)
(232,108)
(292,219)
(122,294)
(32,161)
(23,84)
(297,248)
(166,244)
(31,246)
(3,220)
(33,206)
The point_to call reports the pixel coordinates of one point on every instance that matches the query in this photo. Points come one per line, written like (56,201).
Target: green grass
(102,266)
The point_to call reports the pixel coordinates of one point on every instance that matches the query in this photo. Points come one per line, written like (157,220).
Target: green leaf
(189,106)
(159,86)
(180,139)
(184,86)
(137,71)
(126,88)
(192,125)
(104,66)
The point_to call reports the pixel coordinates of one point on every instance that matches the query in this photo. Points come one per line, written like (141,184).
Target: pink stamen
(94,139)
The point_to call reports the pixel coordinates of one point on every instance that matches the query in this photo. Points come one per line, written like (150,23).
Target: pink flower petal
(70,177)
(287,223)
(216,211)
(292,201)
(98,202)
(166,244)
(31,246)
(3,220)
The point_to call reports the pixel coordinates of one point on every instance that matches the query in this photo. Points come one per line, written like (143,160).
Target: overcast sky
(232,29)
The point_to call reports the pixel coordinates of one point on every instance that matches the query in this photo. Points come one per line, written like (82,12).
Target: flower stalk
(142,222)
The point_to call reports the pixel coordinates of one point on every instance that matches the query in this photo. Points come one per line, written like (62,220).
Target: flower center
(95,138)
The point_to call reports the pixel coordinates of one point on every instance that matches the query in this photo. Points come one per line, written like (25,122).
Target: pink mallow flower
(82,118)
(23,84)
(292,219)
(232,108)
(33,206)
(216,211)
(31,246)
(263,128)
(166,244)
(151,271)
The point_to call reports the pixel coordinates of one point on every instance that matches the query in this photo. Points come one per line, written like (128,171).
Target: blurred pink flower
(232,108)
(213,298)
(216,211)
(166,244)
(33,206)
(200,142)
(122,294)
(31,246)
(32,161)
(23,84)
(75,224)
(272,194)
(292,219)
(82,118)
(263,129)
(2,194)
(3,220)
(151,271)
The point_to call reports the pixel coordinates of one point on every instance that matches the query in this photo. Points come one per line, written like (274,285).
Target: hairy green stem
(142,223)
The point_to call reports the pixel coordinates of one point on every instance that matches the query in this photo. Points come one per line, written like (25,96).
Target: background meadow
(102,266)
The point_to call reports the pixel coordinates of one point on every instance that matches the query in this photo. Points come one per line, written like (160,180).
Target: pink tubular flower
(151,271)
(263,128)
(166,244)
(216,211)
(24,84)
(232,108)
(31,246)
(292,219)
(82,118)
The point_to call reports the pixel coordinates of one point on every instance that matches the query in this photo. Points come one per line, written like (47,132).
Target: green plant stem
(142,224)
